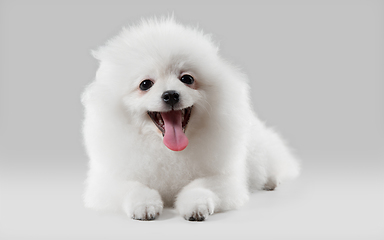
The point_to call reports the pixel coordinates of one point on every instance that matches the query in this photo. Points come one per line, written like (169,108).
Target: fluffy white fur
(230,151)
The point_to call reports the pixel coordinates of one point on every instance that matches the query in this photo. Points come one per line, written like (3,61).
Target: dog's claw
(196,217)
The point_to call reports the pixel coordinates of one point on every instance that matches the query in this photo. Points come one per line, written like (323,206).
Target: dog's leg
(137,200)
(204,196)
(142,203)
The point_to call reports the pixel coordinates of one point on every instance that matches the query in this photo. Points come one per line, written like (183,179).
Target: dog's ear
(101,52)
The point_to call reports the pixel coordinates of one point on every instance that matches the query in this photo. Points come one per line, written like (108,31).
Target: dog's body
(140,162)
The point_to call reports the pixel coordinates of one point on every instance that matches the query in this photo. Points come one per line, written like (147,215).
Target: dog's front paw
(196,204)
(147,211)
(144,205)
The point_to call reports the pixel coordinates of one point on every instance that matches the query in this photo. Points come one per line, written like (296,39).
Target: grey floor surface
(328,201)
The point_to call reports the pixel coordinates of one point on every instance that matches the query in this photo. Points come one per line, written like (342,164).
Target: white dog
(168,122)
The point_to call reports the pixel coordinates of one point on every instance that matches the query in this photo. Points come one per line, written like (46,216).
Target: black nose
(170,97)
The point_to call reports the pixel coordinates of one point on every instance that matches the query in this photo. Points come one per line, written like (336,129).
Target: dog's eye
(187,79)
(145,85)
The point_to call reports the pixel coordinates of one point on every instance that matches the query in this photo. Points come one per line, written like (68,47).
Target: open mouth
(172,125)
(157,118)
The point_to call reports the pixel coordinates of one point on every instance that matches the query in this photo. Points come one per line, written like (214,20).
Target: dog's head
(167,99)
(165,75)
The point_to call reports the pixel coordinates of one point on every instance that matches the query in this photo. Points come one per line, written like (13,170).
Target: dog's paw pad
(147,212)
(270,185)
(200,214)
(196,204)
(144,205)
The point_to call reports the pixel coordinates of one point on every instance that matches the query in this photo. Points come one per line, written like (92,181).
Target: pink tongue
(174,137)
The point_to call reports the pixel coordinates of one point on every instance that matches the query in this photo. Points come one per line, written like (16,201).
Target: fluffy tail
(271,162)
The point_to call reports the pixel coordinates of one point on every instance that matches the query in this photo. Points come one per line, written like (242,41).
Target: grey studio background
(317,76)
